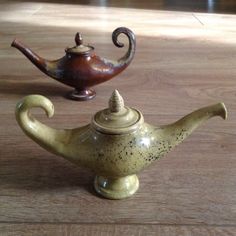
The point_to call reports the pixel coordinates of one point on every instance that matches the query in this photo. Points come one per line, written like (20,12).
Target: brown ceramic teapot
(81,68)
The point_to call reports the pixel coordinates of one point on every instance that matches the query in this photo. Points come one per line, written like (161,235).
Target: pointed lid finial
(79,48)
(117,118)
(78,39)
(116,102)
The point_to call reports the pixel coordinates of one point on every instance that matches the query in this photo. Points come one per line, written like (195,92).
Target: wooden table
(183,61)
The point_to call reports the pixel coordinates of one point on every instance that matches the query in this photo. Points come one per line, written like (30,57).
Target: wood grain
(114,230)
(183,61)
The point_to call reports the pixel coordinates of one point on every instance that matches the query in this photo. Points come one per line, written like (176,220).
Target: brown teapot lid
(117,119)
(79,48)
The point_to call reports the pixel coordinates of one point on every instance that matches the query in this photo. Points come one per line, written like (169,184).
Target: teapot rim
(79,51)
(118,130)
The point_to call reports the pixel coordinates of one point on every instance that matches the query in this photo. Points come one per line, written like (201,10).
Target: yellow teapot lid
(117,118)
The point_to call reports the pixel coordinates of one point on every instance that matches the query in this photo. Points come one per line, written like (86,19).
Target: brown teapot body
(81,68)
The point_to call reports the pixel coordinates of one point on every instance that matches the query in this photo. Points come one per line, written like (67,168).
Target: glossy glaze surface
(114,149)
(81,68)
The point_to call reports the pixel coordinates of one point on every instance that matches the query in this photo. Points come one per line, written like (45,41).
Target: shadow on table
(43,174)
(22,87)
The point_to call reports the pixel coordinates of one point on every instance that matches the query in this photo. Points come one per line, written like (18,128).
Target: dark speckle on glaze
(116,146)
(122,155)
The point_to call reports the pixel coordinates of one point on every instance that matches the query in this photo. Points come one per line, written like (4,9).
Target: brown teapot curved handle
(127,58)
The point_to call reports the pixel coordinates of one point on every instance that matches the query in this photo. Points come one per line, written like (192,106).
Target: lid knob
(117,118)
(78,39)
(116,102)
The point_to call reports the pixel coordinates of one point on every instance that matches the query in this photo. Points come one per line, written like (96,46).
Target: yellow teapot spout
(173,134)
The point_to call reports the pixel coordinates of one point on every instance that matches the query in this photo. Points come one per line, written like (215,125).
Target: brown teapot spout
(48,67)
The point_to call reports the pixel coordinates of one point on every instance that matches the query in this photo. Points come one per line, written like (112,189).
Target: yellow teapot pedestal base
(116,188)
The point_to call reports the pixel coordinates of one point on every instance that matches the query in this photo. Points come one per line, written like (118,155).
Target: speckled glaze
(81,68)
(117,144)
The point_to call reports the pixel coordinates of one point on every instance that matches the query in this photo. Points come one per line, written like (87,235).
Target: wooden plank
(114,230)
(183,61)
(195,184)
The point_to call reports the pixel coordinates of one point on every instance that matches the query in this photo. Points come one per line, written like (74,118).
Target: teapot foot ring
(81,95)
(116,188)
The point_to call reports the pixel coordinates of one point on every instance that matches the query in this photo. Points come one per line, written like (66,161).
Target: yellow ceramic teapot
(116,145)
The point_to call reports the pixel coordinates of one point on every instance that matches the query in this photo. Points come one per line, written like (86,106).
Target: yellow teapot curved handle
(49,138)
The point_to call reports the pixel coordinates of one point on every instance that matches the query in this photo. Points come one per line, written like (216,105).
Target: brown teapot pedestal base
(81,95)
(118,188)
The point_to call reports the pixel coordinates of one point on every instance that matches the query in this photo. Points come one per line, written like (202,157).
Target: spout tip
(224,113)
(14,42)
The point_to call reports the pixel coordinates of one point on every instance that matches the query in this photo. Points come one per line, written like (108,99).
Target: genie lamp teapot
(116,145)
(81,68)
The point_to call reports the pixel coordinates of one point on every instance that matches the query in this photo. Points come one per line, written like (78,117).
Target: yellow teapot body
(116,145)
